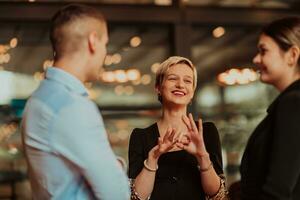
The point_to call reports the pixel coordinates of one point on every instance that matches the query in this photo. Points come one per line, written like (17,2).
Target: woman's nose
(180,83)
(256,59)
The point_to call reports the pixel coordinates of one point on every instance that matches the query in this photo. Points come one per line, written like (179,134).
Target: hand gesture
(165,144)
(192,141)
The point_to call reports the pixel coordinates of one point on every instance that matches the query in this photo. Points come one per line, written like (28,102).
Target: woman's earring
(159,97)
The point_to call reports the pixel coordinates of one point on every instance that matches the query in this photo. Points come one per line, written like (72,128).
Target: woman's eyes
(262,50)
(175,78)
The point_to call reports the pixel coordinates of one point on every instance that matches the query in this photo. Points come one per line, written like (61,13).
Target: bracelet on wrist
(203,155)
(205,169)
(149,168)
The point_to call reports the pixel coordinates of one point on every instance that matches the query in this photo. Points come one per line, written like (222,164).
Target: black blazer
(177,177)
(270,167)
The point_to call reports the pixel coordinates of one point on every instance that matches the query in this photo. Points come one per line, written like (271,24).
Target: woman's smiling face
(271,61)
(177,86)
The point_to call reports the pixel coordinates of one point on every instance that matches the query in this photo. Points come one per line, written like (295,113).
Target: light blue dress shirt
(66,145)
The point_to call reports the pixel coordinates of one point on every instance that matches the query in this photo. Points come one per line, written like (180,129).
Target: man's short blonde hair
(174,60)
(71,24)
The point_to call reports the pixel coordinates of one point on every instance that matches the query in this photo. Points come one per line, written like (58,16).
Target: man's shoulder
(56,97)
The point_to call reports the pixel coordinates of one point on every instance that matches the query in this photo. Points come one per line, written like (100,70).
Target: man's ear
(92,38)
(294,54)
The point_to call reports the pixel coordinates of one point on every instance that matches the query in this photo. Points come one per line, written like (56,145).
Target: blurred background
(219,36)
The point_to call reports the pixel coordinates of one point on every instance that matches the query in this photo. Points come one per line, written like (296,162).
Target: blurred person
(66,145)
(270,167)
(175,158)
(122,163)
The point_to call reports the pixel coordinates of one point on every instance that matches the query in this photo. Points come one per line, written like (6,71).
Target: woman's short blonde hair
(174,60)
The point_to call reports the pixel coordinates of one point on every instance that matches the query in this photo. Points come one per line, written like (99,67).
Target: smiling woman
(174,158)
(271,162)
(181,77)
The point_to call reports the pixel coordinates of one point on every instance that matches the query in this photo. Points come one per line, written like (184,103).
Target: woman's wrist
(154,154)
(202,155)
(202,169)
(203,160)
(152,159)
(149,167)
(151,162)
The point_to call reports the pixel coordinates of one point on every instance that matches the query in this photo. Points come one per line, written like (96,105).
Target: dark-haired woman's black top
(270,168)
(177,177)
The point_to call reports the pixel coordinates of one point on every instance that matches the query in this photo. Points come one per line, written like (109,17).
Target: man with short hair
(66,145)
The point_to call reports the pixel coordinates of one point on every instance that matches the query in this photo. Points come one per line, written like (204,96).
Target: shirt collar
(69,81)
(294,86)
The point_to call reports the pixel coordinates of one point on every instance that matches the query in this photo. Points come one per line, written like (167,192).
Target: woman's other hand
(192,141)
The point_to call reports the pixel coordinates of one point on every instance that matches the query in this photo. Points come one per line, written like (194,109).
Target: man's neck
(72,67)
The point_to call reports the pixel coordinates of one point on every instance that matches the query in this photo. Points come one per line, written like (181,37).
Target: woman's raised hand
(192,141)
(165,143)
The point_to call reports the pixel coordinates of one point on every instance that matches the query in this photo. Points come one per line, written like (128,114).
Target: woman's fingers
(167,134)
(185,140)
(200,126)
(160,140)
(183,143)
(177,134)
(180,145)
(180,135)
(192,122)
(187,122)
(167,141)
(198,136)
(171,136)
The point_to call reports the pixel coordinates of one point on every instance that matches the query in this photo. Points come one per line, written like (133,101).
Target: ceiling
(211,55)
(222,3)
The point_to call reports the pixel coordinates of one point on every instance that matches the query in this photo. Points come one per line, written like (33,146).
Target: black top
(177,177)
(270,167)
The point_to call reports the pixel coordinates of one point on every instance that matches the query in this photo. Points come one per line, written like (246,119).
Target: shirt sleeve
(79,135)
(213,145)
(284,165)
(135,154)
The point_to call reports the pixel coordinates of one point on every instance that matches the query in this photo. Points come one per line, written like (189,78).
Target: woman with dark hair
(270,167)
(175,159)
